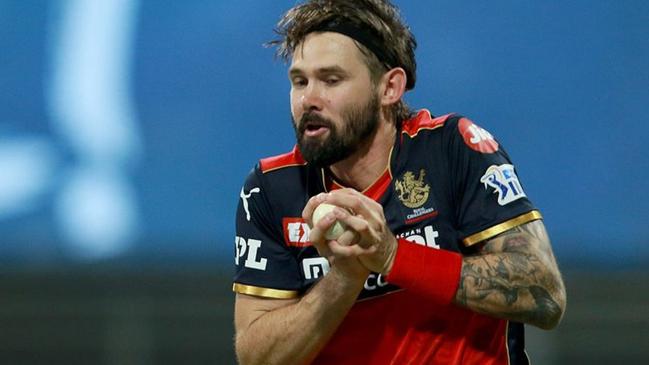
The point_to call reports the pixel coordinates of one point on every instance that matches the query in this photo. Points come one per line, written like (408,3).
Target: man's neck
(365,166)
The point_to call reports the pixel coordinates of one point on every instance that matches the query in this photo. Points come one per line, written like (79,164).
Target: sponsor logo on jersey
(412,191)
(505,183)
(426,236)
(244,200)
(374,282)
(250,249)
(478,139)
(315,267)
(296,232)
(375,285)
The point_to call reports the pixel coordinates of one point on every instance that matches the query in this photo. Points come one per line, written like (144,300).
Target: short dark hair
(380,17)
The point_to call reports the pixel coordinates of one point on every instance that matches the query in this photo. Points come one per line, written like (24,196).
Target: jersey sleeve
(263,264)
(489,195)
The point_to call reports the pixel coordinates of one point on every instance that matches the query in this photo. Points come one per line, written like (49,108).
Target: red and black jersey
(448,186)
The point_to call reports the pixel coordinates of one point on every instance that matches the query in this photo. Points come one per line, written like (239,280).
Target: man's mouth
(315,129)
(314,125)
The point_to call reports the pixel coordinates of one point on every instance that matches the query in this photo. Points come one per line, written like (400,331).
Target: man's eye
(299,82)
(332,80)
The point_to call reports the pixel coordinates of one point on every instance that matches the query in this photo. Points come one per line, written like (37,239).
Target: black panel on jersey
(430,157)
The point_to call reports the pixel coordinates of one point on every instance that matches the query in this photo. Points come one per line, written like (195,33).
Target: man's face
(334,104)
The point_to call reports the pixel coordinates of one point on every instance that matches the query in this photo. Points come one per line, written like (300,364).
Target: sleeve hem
(502,227)
(264,292)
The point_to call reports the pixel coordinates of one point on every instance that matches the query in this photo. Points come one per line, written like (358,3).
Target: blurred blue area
(127,127)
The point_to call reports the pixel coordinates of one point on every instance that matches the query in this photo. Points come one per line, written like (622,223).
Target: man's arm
(283,331)
(515,276)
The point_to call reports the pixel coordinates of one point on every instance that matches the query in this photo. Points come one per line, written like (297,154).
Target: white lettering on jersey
(251,246)
(479,134)
(374,281)
(298,232)
(240,247)
(244,199)
(315,267)
(504,181)
(429,237)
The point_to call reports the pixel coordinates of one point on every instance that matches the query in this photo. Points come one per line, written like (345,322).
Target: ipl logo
(504,181)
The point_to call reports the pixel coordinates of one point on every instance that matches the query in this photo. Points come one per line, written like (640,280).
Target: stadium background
(127,127)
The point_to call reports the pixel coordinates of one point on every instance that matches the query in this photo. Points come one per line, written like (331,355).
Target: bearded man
(443,257)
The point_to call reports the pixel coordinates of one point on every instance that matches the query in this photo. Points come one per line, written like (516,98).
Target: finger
(309,208)
(358,223)
(338,249)
(319,230)
(348,238)
(367,231)
(353,201)
(324,250)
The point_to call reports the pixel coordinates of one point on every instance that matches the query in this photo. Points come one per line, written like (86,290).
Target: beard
(358,125)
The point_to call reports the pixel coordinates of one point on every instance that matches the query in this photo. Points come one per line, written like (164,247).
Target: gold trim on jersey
(430,116)
(390,162)
(388,168)
(264,292)
(283,167)
(502,227)
(421,129)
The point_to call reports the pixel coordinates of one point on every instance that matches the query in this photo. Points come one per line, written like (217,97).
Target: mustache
(313,118)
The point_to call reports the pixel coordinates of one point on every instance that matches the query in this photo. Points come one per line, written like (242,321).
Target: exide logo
(296,232)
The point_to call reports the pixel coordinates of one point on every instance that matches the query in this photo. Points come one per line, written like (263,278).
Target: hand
(348,265)
(367,236)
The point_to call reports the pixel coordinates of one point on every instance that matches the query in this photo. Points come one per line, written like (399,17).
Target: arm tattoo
(514,276)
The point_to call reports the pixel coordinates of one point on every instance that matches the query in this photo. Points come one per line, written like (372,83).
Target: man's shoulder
(277,170)
(283,161)
(424,121)
(272,175)
(452,130)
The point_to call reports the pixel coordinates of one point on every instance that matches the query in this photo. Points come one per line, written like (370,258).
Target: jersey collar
(374,191)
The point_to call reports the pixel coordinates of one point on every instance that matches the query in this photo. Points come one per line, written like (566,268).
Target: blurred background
(128,126)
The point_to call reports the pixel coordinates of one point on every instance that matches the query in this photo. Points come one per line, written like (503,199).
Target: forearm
(515,276)
(514,286)
(296,333)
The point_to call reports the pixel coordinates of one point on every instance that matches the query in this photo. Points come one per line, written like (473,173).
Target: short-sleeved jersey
(449,185)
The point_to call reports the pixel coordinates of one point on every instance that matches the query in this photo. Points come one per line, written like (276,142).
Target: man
(443,257)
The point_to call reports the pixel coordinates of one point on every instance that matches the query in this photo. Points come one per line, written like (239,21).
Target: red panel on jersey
(375,190)
(402,328)
(293,158)
(423,120)
(379,187)
(477,138)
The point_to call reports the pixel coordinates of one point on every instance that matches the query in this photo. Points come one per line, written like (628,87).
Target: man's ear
(394,85)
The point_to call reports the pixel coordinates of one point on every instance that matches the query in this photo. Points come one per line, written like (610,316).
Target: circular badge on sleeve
(477,138)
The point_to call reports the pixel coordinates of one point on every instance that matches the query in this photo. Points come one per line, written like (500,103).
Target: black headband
(362,35)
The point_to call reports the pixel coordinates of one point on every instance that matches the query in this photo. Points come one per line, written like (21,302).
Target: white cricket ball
(336,229)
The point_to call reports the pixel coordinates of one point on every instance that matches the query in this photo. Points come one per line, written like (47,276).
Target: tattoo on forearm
(512,277)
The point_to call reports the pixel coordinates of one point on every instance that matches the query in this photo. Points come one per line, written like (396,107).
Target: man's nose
(311,98)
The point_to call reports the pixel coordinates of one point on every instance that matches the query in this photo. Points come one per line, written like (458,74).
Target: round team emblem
(476,138)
